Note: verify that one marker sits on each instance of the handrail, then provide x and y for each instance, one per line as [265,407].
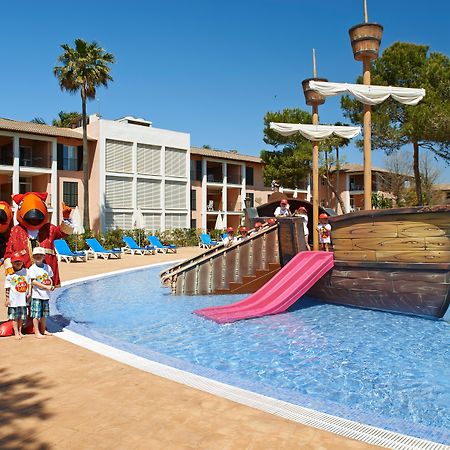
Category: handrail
[204,257]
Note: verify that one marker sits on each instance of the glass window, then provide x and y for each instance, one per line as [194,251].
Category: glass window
[249,174]
[193,223]
[70,157]
[193,199]
[70,193]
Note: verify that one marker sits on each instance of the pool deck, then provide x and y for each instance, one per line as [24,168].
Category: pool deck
[56,395]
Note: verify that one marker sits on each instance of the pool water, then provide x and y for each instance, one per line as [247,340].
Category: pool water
[382,369]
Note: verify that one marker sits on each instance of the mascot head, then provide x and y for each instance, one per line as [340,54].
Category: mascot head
[5,216]
[32,211]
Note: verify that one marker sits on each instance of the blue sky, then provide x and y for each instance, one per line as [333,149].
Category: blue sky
[211,68]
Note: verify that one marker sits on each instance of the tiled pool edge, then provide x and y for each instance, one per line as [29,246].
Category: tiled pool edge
[306,416]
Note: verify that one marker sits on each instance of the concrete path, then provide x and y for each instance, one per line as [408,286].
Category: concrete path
[55,395]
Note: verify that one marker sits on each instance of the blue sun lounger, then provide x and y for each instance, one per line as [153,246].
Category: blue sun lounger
[162,248]
[63,252]
[206,241]
[133,248]
[97,250]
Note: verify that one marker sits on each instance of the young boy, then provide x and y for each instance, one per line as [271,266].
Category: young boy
[40,275]
[324,229]
[17,286]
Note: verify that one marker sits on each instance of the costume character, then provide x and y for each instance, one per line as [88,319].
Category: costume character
[34,230]
[5,226]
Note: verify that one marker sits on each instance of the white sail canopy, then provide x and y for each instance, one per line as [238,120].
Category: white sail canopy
[369,94]
[315,132]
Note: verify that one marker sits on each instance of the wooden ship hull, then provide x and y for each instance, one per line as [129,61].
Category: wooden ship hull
[393,260]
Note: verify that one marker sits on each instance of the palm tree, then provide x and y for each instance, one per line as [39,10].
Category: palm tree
[84,68]
[65,119]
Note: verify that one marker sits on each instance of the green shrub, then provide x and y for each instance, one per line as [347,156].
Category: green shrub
[181,237]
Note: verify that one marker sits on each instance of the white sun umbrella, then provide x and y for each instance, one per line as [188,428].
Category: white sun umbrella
[219,222]
[77,224]
[138,222]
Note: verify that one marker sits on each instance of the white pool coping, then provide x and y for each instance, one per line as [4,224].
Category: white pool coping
[306,416]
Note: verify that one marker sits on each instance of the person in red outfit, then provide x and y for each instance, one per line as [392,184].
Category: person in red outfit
[34,230]
[5,226]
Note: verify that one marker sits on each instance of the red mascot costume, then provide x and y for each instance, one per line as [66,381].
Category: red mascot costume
[6,215]
[5,225]
[34,230]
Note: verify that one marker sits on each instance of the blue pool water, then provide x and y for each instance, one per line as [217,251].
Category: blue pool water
[383,369]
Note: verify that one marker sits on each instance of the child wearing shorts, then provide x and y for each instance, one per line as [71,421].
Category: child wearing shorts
[17,286]
[324,229]
[41,282]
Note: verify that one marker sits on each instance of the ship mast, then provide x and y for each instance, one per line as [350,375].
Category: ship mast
[314,99]
[365,39]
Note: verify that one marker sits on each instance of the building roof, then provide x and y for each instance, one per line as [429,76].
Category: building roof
[442,187]
[222,154]
[347,167]
[37,128]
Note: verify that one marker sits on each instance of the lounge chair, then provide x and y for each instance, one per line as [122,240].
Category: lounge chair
[133,248]
[161,248]
[97,250]
[63,252]
[206,241]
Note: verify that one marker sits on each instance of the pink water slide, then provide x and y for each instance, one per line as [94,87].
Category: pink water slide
[279,293]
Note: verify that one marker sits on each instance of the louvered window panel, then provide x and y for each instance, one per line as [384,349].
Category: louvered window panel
[149,194]
[176,221]
[152,222]
[175,195]
[119,156]
[175,162]
[148,159]
[118,192]
[114,220]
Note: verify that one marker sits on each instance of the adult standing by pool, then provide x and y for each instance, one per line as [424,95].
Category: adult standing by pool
[283,209]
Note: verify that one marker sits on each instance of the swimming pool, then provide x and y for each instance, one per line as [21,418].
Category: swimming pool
[382,369]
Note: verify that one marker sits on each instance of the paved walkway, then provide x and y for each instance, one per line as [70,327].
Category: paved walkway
[55,395]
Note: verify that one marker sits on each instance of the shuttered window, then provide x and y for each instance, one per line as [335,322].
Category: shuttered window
[175,195]
[115,220]
[176,221]
[175,165]
[149,194]
[148,159]
[119,156]
[118,192]
[152,222]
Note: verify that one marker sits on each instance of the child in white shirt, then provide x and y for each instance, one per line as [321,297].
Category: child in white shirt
[41,280]
[17,286]
[324,229]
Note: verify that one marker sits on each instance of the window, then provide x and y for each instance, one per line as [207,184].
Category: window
[25,185]
[175,162]
[119,156]
[249,174]
[193,199]
[251,200]
[148,194]
[196,170]
[152,222]
[118,192]
[149,159]
[194,223]
[70,157]
[175,196]
[176,221]
[70,193]
[115,220]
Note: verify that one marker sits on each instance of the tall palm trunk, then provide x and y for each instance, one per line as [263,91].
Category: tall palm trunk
[86,220]
[418,181]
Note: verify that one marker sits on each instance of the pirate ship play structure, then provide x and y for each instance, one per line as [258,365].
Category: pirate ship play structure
[394,260]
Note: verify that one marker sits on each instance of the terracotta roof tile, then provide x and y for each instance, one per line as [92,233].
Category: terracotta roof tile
[212,153]
[36,128]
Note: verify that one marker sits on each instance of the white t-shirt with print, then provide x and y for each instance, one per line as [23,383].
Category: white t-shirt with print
[43,275]
[324,233]
[18,283]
